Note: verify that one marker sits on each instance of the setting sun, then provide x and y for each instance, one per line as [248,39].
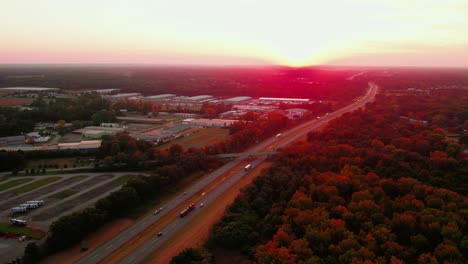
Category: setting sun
[231,32]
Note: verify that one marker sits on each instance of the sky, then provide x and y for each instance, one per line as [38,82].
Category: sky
[232,32]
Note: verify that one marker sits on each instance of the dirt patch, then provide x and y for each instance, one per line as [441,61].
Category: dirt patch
[92,241]
[197,232]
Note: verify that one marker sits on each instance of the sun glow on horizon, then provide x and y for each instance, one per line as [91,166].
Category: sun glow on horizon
[295,33]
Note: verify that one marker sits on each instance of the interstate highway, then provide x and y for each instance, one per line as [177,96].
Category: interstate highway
[124,248]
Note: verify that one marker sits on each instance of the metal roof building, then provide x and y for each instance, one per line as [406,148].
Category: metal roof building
[30,89]
[237,99]
[160,97]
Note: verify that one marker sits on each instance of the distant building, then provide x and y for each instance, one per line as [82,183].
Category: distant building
[237,100]
[203,122]
[283,100]
[200,98]
[102,91]
[160,97]
[125,96]
[254,108]
[98,131]
[82,145]
[29,89]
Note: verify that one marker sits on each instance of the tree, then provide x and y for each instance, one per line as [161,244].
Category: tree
[32,254]
[103,116]
[193,256]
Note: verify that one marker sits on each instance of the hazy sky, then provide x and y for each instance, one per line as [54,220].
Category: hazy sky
[291,32]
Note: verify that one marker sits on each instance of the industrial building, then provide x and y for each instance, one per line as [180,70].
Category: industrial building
[160,97]
[97,131]
[82,145]
[283,100]
[203,122]
[200,98]
[238,99]
[29,89]
[102,91]
[125,96]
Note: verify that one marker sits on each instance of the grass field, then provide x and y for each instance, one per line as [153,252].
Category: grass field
[22,231]
[13,183]
[63,194]
[200,138]
[36,184]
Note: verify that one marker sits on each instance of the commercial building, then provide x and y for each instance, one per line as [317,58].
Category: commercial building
[82,145]
[203,122]
[238,99]
[98,131]
[283,100]
[29,89]
[102,91]
[125,96]
[160,97]
[200,98]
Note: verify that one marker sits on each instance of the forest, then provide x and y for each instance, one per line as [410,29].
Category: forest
[380,185]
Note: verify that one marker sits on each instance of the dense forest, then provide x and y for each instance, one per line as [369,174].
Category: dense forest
[382,185]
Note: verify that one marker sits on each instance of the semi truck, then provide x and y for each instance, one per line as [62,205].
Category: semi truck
[246,168]
[187,210]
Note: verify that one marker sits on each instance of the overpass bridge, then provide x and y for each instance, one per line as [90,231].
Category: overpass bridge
[247,154]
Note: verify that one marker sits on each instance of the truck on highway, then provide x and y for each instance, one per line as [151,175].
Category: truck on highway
[248,167]
[187,210]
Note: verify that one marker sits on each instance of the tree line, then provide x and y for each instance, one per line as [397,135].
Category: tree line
[390,192]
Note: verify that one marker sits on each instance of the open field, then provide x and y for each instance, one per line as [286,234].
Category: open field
[14,183]
[200,138]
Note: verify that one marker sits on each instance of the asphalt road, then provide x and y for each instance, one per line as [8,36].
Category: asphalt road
[138,255]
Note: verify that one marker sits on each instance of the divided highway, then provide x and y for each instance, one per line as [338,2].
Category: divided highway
[134,244]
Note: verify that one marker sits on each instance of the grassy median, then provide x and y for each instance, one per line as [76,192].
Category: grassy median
[36,184]
[13,183]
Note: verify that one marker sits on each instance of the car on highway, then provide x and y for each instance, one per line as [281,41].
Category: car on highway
[160,234]
[157,211]
[202,204]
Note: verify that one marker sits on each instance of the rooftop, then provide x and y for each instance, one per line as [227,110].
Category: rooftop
[32,89]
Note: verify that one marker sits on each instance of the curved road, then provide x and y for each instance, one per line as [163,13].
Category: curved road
[113,251]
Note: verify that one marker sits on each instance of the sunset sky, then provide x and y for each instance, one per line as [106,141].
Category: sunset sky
[292,32]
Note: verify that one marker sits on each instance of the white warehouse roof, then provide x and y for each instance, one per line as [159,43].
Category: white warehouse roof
[284,99]
[238,99]
[160,96]
[30,89]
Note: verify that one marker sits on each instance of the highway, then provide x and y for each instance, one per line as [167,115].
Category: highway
[134,244]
